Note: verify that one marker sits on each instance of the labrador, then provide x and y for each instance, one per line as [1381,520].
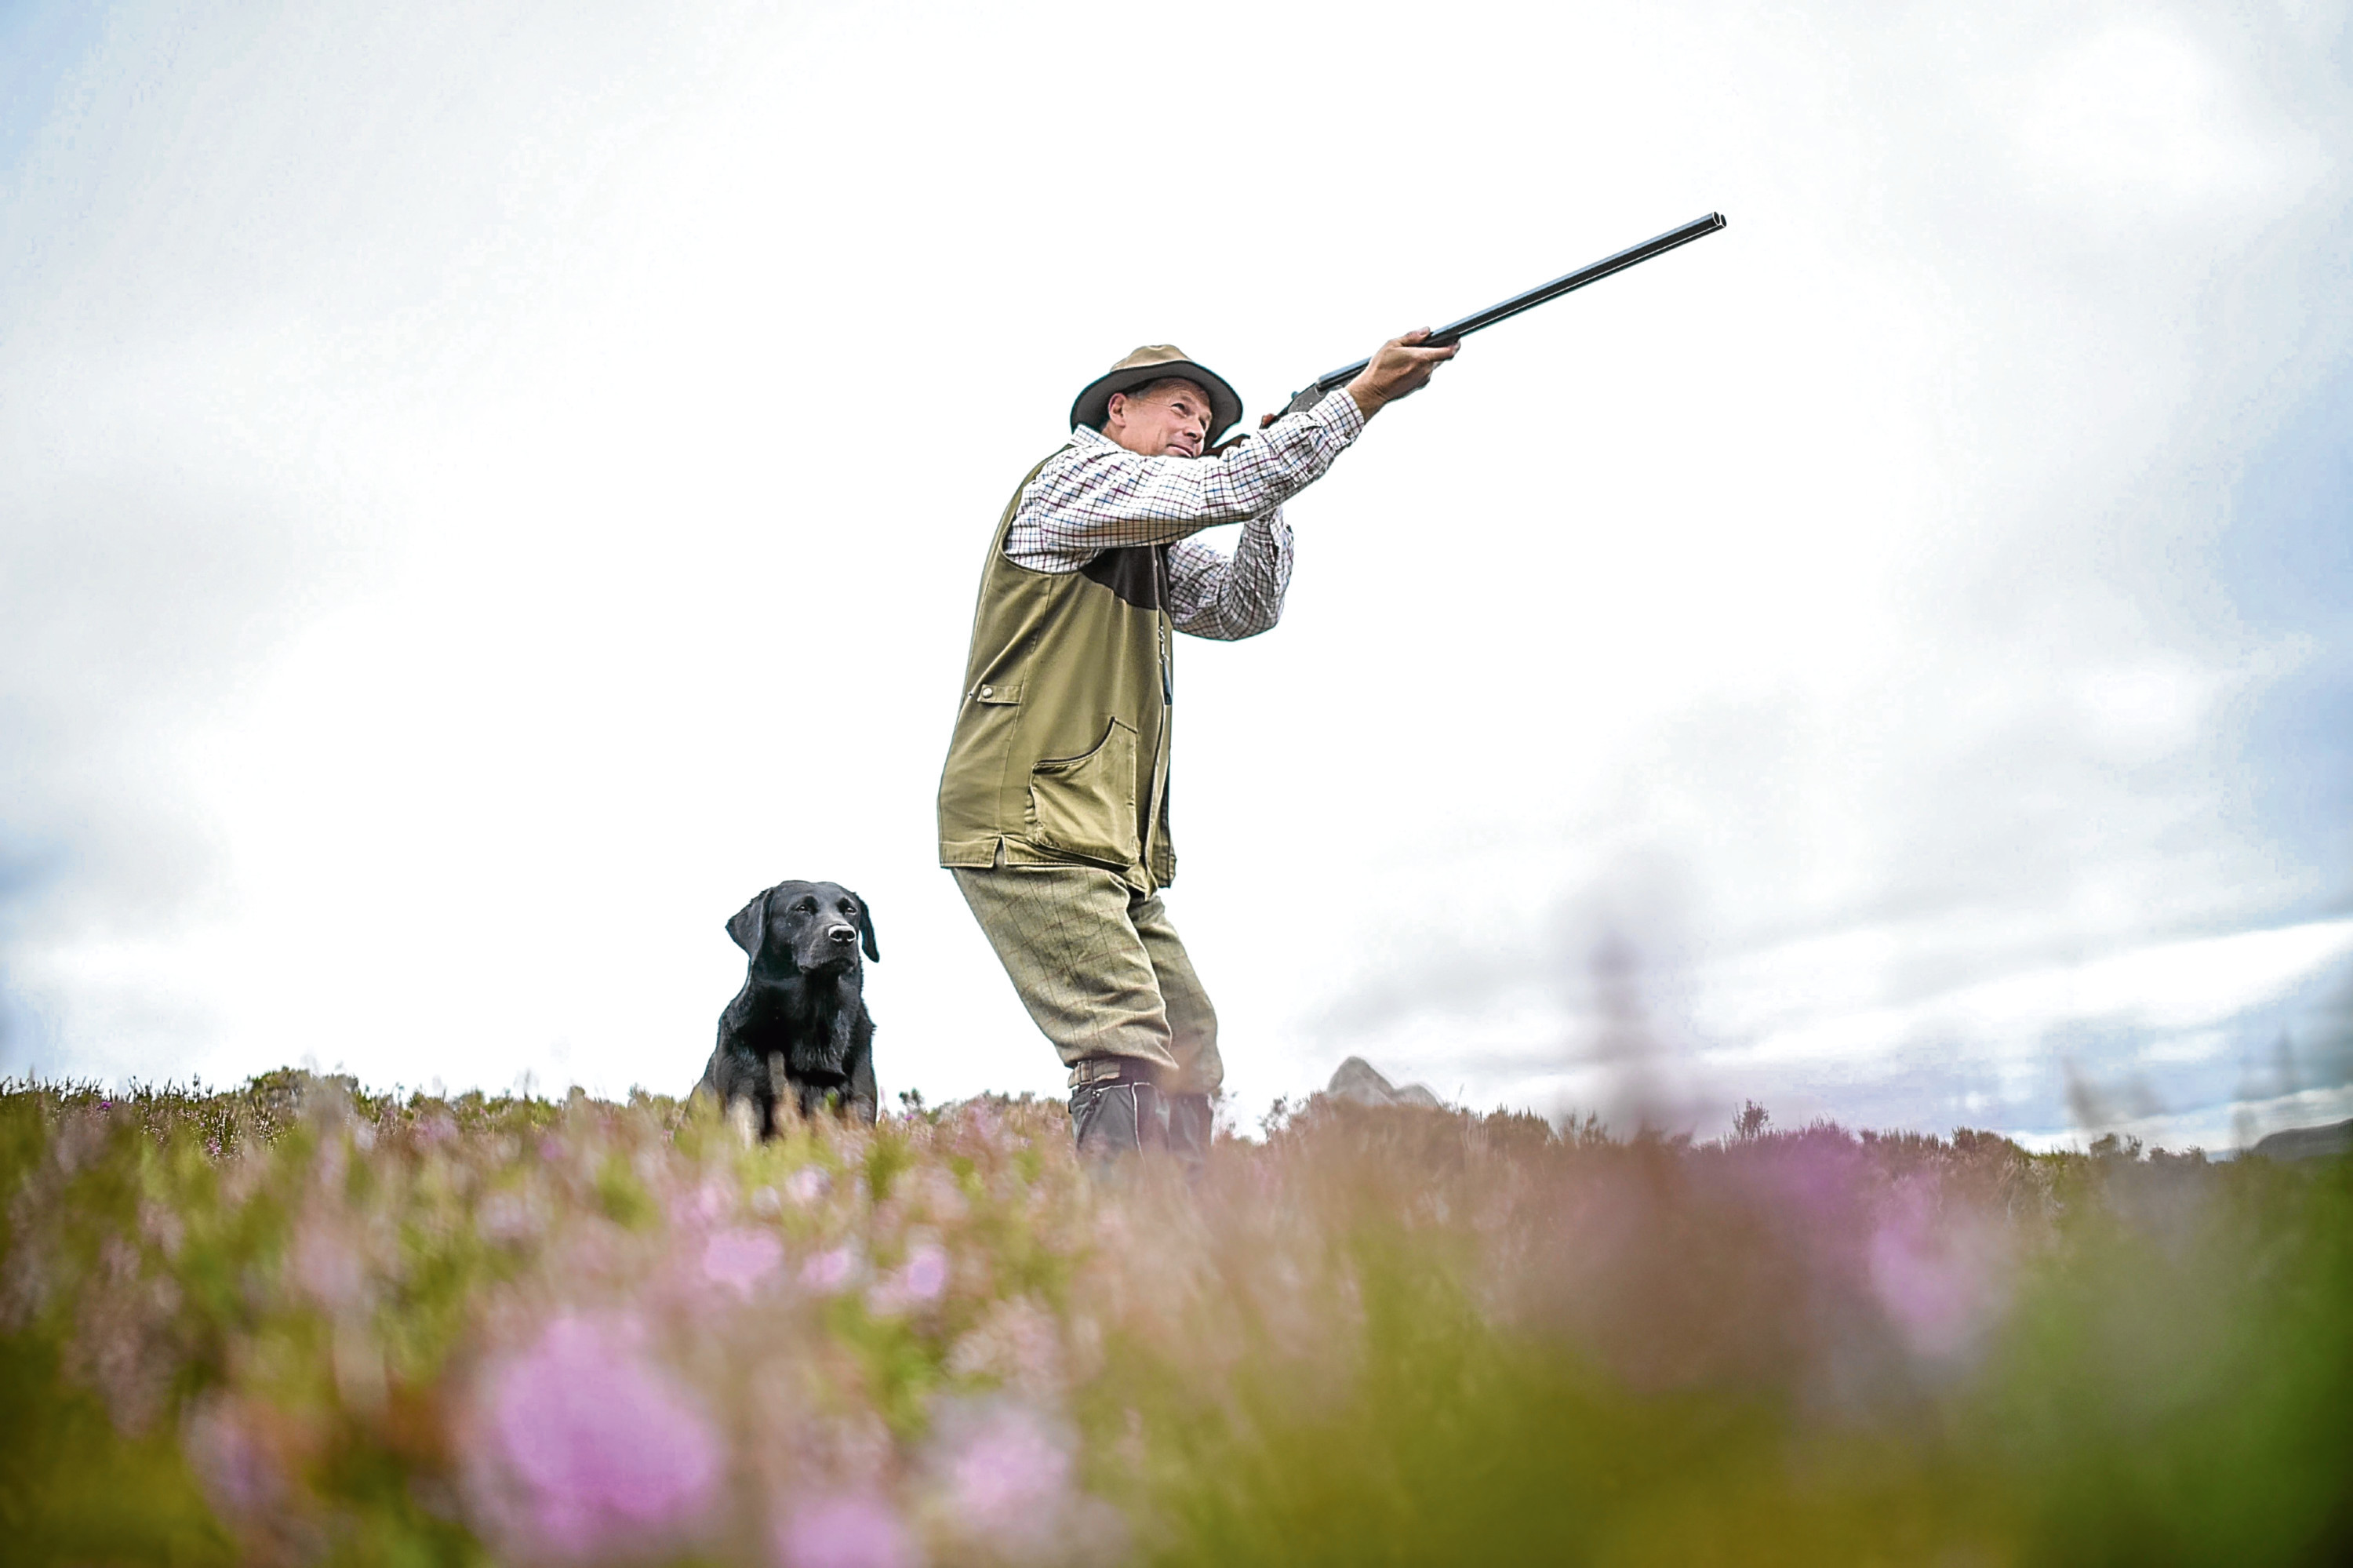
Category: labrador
[799,1032]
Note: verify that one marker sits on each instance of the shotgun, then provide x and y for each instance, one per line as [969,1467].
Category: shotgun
[1314,391]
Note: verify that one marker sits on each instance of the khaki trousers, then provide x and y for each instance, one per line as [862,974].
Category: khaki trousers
[1101,971]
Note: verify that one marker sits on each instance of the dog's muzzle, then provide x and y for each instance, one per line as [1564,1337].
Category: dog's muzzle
[843,935]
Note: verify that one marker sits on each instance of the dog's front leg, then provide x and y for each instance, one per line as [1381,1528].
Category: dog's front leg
[782,1092]
[864,1100]
[744,1116]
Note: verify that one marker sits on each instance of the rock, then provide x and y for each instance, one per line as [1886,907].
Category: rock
[1356,1080]
[2302,1142]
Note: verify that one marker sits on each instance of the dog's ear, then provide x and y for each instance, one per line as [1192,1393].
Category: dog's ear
[866,931]
[749,925]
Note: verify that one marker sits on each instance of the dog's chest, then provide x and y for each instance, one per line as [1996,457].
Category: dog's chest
[815,1032]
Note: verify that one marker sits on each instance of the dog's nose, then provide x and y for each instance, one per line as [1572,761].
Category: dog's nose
[843,933]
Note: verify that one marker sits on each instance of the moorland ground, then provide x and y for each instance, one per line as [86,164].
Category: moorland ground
[295,1322]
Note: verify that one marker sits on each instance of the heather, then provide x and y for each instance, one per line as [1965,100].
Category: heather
[298,1323]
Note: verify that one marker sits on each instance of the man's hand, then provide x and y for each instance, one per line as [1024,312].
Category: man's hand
[1401,366]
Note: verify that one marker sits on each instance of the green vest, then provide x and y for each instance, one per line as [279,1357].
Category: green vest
[1060,754]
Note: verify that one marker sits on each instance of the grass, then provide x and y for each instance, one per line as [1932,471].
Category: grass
[294,1322]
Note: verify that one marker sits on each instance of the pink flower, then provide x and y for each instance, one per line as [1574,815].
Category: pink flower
[741,1258]
[829,1271]
[699,1207]
[1940,1282]
[601,1443]
[509,1217]
[327,1268]
[238,1471]
[845,1533]
[1008,1476]
[807,1185]
[922,1280]
[1018,1345]
[926,1275]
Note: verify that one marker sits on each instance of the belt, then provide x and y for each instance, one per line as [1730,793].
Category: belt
[1111,1070]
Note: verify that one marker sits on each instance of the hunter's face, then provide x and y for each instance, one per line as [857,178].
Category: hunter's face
[1171,419]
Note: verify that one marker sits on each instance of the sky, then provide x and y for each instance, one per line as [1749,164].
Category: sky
[483,490]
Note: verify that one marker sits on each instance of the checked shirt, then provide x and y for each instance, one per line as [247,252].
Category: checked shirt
[1095,495]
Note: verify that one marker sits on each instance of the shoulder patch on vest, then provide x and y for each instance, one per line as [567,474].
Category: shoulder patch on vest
[1138,574]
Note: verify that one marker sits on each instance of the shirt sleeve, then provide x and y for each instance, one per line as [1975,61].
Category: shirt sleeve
[1212,594]
[1096,495]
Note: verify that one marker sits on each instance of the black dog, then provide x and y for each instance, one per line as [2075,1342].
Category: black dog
[798,1029]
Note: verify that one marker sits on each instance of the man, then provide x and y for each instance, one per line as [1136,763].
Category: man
[1054,802]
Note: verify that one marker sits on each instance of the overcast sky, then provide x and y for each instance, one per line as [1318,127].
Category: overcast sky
[483,489]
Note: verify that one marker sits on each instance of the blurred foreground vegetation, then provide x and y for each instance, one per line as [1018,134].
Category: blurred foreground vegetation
[295,1323]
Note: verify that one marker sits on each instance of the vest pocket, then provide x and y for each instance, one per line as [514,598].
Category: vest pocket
[1085,805]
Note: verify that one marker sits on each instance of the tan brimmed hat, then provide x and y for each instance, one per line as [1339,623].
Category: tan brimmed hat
[1156,361]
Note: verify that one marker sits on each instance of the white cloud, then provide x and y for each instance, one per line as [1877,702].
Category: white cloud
[2140,114]
[489,490]
[2169,989]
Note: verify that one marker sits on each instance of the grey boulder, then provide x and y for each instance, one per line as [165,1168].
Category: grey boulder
[1357,1081]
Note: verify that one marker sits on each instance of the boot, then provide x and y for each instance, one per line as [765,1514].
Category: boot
[1116,1117]
[1191,1121]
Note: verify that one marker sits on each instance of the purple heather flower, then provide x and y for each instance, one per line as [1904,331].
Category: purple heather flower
[923,1278]
[926,1274]
[829,1271]
[741,1258]
[602,1444]
[508,1217]
[807,1185]
[699,1207]
[1940,1283]
[327,1268]
[237,1471]
[1018,1345]
[857,1531]
[1008,1476]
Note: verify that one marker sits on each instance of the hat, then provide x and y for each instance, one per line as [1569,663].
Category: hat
[1157,362]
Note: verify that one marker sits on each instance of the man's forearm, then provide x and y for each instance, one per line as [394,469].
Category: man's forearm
[1225,600]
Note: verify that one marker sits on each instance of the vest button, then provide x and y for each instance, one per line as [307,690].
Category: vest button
[988,691]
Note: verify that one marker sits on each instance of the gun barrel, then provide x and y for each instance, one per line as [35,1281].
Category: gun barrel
[1455,332]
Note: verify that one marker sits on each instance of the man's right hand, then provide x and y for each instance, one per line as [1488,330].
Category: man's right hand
[1401,366]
